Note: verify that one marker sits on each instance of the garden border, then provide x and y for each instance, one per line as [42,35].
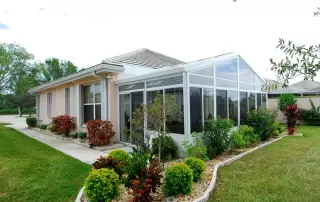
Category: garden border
[210,189]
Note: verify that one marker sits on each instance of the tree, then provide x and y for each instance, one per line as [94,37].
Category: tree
[13,61]
[53,69]
[300,60]
[21,85]
[162,110]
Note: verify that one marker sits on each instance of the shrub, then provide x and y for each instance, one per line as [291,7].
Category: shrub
[292,114]
[197,166]
[64,124]
[111,163]
[31,122]
[262,120]
[178,180]
[248,135]
[236,140]
[82,135]
[142,188]
[52,127]
[311,116]
[99,132]
[120,155]
[286,99]
[102,185]
[74,135]
[43,126]
[136,166]
[216,135]
[10,111]
[195,149]
[168,147]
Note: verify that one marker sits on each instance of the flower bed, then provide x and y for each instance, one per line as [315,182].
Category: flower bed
[199,188]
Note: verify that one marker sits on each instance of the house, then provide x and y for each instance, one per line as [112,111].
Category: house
[223,85]
[303,90]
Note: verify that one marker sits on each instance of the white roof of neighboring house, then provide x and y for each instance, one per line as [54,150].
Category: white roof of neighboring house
[304,86]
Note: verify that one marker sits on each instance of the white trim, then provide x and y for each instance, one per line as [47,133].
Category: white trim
[188,104]
[238,69]
[185,103]
[211,77]
[165,87]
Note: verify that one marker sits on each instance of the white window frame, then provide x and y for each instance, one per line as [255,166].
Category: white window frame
[94,99]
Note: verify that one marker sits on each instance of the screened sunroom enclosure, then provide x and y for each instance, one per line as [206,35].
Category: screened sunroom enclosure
[216,87]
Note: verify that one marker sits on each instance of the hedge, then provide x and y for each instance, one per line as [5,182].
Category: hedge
[16,111]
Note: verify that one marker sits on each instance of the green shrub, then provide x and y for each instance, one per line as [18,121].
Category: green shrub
[216,135]
[311,116]
[82,135]
[136,166]
[43,126]
[196,148]
[262,121]
[236,140]
[178,179]
[197,166]
[168,149]
[31,121]
[248,135]
[275,133]
[9,111]
[286,99]
[111,163]
[102,185]
[120,155]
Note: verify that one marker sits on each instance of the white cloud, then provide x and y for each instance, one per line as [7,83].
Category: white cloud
[87,32]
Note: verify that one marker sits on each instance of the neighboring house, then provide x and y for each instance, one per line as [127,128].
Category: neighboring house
[304,90]
[223,85]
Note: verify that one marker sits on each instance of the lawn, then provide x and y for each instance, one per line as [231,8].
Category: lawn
[32,171]
[288,170]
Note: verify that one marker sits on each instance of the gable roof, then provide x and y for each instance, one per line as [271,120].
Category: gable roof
[304,86]
[144,57]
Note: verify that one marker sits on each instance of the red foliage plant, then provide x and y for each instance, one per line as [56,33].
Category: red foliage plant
[64,124]
[292,114]
[99,132]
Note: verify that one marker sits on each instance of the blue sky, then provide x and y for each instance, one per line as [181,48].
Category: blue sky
[86,32]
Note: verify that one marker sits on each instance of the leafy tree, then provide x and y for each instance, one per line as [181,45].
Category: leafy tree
[13,61]
[300,60]
[162,110]
[53,69]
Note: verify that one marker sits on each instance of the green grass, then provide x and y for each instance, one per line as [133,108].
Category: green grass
[5,123]
[287,170]
[32,171]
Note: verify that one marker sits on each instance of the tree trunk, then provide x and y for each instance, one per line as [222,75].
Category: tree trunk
[20,111]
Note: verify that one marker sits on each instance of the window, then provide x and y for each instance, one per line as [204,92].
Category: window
[92,102]
[49,104]
[124,116]
[133,86]
[165,82]
[227,69]
[245,86]
[252,101]
[258,100]
[208,71]
[136,101]
[222,104]
[176,125]
[208,103]
[196,109]
[67,101]
[233,105]
[151,95]
[195,79]
[243,107]
[264,100]
[245,73]
[226,83]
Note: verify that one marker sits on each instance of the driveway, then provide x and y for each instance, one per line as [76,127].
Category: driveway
[17,122]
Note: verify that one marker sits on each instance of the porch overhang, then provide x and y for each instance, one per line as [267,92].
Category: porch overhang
[101,69]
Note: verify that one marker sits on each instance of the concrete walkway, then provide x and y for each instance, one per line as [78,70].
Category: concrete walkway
[82,153]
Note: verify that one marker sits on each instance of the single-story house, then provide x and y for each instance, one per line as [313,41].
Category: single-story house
[304,91]
[223,85]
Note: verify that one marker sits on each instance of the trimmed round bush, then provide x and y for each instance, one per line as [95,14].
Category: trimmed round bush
[197,166]
[168,150]
[102,185]
[120,155]
[178,180]
[31,122]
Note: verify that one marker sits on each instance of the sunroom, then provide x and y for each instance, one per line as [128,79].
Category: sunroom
[221,86]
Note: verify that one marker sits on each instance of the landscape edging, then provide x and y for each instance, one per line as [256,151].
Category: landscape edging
[209,190]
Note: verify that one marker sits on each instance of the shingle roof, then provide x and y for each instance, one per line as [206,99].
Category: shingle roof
[144,57]
[304,86]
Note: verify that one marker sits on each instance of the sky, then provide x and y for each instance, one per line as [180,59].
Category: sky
[87,32]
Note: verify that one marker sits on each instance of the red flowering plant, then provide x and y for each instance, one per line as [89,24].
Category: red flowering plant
[292,114]
[99,132]
[64,124]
